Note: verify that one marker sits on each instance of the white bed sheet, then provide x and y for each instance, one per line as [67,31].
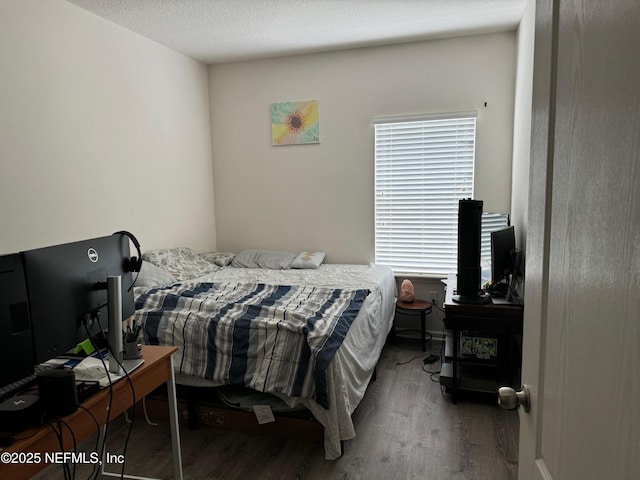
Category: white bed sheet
[354,363]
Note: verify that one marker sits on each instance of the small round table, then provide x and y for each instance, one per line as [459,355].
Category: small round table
[411,308]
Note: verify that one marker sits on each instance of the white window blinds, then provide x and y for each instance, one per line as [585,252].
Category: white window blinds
[423,167]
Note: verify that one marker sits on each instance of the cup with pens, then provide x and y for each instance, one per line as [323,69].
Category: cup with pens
[132,349]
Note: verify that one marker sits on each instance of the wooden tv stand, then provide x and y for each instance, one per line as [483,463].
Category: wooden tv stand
[482,346]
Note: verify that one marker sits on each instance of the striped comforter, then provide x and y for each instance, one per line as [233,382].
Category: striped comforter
[272,338]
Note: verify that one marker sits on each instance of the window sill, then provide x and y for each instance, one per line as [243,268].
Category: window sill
[421,276]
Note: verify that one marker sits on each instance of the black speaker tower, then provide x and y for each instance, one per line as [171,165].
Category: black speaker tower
[469,240]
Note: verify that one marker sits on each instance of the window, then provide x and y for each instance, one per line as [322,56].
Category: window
[423,167]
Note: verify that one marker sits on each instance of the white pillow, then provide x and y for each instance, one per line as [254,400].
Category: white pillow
[153,276]
[182,262]
[308,260]
[222,259]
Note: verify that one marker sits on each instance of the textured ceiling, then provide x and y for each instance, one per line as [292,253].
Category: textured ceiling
[215,31]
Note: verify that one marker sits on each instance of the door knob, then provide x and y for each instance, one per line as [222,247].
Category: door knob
[509,399]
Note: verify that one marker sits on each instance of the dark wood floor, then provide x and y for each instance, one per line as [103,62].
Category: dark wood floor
[406,429]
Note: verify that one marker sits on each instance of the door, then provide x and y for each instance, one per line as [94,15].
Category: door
[581,356]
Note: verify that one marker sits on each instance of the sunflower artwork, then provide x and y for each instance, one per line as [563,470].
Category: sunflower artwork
[295,123]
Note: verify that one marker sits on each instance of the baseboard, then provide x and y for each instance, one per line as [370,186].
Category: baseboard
[436,335]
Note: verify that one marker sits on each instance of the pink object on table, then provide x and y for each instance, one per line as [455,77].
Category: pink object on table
[407,292]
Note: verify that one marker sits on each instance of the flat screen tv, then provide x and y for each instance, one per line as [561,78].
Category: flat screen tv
[67,289]
[503,246]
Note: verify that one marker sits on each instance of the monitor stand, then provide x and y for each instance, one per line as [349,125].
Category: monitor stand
[130,365]
[114,310]
[114,327]
[476,300]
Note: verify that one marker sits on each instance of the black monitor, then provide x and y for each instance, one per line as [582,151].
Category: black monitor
[503,246]
[16,350]
[67,288]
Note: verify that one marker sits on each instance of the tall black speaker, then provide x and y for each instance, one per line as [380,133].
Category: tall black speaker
[469,241]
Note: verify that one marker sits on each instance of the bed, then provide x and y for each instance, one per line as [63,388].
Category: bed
[310,335]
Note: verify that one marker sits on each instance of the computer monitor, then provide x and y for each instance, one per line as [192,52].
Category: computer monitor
[16,349]
[67,289]
[503,246]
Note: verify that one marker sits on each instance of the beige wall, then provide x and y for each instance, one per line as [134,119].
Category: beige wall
[321,196]
[522,123]
[101,130]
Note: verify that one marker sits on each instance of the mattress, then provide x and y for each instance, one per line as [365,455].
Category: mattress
[353,364]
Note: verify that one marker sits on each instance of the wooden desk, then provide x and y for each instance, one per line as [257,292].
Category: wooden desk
[156,370]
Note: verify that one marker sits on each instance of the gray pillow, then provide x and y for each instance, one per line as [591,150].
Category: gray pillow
[271,259]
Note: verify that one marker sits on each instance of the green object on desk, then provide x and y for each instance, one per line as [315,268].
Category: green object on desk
[85,346]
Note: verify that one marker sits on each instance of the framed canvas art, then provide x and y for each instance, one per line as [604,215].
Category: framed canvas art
[295,123]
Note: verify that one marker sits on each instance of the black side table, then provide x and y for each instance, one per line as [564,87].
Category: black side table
[420,307]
